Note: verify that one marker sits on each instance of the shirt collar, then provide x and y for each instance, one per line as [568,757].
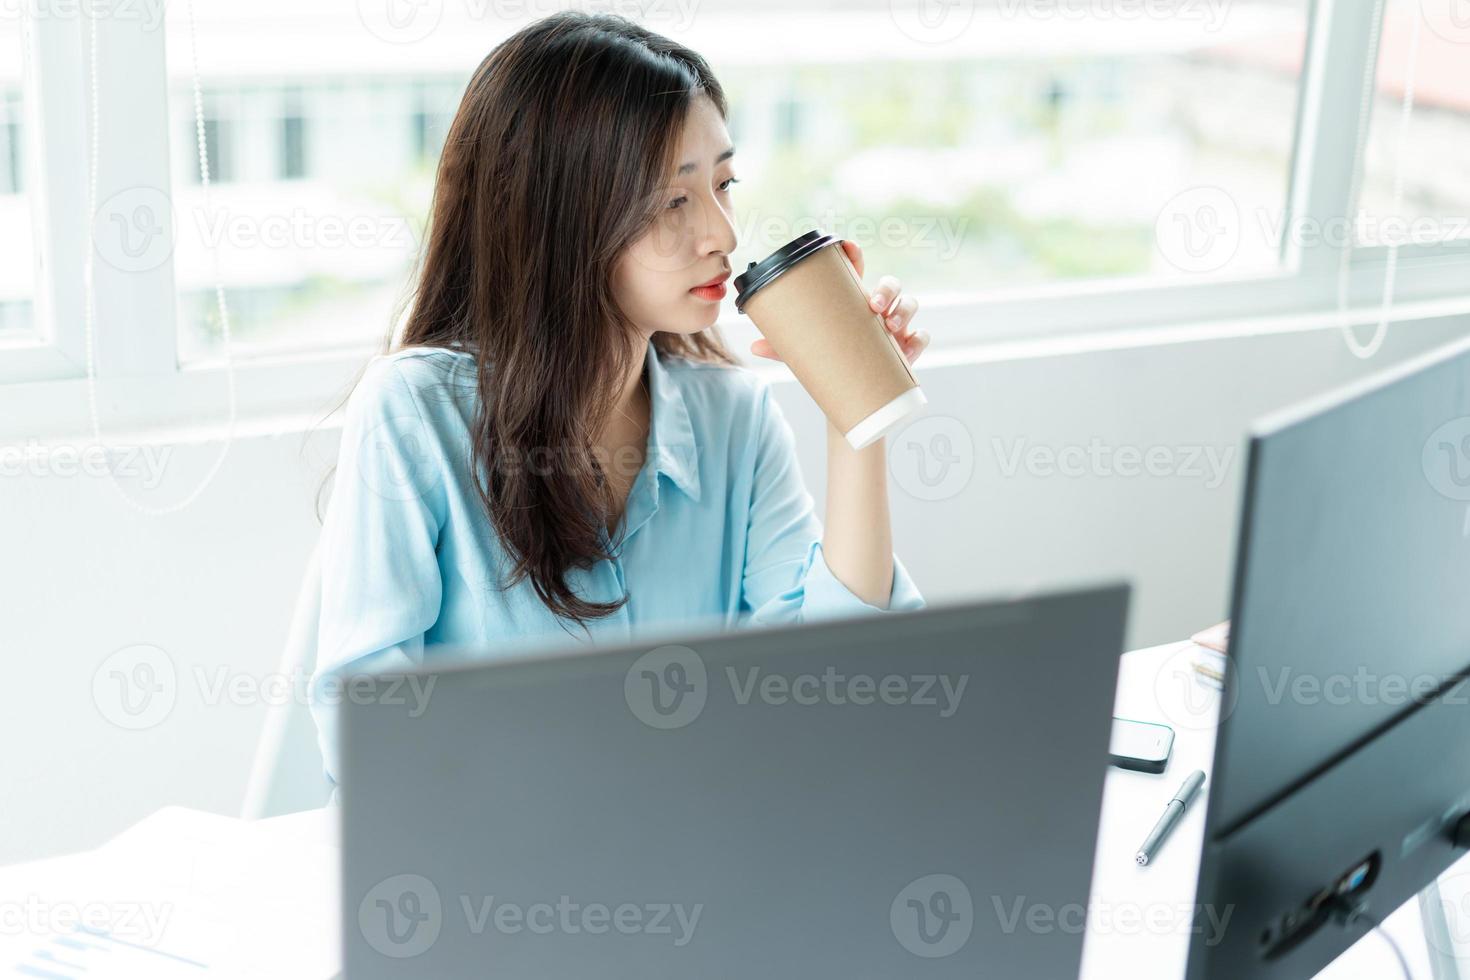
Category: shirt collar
[671,444]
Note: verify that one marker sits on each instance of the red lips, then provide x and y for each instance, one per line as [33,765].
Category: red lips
[717,280]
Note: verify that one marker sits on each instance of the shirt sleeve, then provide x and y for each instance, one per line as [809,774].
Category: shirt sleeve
[786,578]
[380,588]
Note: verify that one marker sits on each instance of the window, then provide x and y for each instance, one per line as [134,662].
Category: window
[1044,143]
[12,180]
[1053,148]
[1434,165]
[293,137]
[17,259]
[1029,167]
[787,113]
[322,158]
[219,138]
[436,103]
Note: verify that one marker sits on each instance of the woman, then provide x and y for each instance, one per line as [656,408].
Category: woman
[560,440]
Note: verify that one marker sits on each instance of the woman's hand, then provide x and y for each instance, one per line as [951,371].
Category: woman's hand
[887,298]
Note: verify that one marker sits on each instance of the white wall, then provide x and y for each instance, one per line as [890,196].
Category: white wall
[213,586]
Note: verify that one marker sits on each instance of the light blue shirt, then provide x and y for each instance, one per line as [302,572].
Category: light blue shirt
[719,530]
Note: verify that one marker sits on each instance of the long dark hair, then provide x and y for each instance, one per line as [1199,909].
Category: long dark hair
[551,168]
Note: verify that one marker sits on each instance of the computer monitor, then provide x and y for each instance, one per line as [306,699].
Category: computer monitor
[882,796]
[1342,765]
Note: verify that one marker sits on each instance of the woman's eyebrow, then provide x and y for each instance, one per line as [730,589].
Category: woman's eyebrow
[688,168]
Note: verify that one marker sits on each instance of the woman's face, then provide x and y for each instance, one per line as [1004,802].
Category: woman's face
[690,242]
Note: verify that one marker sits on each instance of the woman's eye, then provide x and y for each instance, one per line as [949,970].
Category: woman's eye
[724,186]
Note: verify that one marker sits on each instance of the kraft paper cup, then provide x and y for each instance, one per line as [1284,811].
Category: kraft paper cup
[809,302]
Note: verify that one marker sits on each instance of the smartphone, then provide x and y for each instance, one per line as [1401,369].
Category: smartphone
[1143,746]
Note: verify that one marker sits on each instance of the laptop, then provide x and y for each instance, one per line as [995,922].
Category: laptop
[907,794]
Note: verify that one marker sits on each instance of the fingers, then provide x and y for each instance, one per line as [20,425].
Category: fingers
[900,320]
[763,348]
[915,345]
[882,297]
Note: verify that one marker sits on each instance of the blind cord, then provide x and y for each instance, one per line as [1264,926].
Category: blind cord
[1406,113]
[89,264]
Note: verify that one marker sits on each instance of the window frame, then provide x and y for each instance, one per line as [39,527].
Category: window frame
[42,377]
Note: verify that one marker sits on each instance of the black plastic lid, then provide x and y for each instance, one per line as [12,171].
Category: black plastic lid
[757,274]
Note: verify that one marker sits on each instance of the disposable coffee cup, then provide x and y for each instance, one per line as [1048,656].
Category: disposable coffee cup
[808,300]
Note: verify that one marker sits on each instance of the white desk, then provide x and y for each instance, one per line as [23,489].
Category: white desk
[229,882]
[1140,918]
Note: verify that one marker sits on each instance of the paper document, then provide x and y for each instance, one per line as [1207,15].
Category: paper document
[181,894]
